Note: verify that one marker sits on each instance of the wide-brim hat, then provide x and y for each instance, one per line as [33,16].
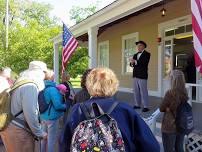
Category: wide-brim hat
[38,65]
[35,72]
[141,42]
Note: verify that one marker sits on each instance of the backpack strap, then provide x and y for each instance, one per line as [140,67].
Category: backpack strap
[20,83]
[96,110]
[112,107]
[17,114]
[15,86]
[85,111]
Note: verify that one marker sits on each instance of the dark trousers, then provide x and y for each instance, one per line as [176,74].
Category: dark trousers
[173,142]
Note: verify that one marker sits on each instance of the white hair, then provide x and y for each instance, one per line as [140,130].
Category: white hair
[6,72]
[37,76]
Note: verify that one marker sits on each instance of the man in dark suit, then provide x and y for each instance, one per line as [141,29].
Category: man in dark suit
[140,62]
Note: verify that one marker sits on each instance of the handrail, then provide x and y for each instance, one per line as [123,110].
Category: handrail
[193,85]
[151,121]
[189,87]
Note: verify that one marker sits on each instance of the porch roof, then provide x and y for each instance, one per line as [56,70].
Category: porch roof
[109,14]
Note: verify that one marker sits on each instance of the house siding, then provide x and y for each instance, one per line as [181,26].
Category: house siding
[146,24]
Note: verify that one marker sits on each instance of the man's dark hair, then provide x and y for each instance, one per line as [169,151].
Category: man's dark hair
[83,78]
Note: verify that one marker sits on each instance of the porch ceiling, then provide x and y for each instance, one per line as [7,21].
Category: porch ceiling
[112,14]
[84,37]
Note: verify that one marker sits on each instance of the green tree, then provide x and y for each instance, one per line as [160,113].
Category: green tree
[78,13]
[79,60]
[30,31]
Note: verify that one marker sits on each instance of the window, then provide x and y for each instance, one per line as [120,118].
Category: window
[103,54]
[167,57]
[189,28]
[128,50]
[169,32]
[178,30]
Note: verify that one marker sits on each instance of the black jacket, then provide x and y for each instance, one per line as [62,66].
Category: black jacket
[140,70]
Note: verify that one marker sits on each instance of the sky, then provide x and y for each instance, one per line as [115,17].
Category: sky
[61,8]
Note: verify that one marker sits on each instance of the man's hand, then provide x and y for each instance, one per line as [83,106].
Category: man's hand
[132,61]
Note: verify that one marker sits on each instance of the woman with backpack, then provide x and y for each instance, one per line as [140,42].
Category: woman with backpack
[102,123]
[50,118]
[176,96]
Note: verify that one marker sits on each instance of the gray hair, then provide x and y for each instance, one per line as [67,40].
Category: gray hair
[66,74]
[177,80]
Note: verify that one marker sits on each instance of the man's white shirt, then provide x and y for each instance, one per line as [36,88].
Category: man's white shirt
[138,56]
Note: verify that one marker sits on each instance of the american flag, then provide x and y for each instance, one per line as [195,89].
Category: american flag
[196,9]
[69,45]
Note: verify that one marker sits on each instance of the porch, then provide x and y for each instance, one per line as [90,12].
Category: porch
[110,34]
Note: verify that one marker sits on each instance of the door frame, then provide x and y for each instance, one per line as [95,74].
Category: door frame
[177,22]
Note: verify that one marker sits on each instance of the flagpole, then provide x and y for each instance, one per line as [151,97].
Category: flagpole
[7,22]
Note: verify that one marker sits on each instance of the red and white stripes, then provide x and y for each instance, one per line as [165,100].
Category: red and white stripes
[196,8]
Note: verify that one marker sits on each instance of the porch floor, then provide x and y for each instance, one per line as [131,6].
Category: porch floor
[154,104]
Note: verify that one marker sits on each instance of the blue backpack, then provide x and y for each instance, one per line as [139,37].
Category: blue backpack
[184,119]
[43,105]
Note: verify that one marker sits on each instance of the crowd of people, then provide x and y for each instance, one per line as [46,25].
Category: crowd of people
[91,119]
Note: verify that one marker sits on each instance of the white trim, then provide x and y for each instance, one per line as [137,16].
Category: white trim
[160,69]
[161,27]
[123,38]
[100,44]
[56,62]
[92,46]
[130,90]
[113,12]
[175,23]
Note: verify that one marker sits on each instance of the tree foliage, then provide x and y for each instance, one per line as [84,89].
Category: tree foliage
[78,13]
[30,31]
[78,62]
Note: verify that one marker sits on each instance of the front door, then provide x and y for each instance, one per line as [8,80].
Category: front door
[179,55]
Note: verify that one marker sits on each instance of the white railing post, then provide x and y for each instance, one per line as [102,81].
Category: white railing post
[151,121]
[189,91]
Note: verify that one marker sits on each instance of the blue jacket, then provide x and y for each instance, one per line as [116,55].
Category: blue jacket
[52,94]
[140,139]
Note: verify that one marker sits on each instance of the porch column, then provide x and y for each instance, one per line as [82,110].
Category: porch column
[92,46]
[56,62]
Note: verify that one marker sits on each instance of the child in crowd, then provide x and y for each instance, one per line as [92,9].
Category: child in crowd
[63,90]
[177,95]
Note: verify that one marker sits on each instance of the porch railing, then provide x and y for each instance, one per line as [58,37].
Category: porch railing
[151,121]
[198,92]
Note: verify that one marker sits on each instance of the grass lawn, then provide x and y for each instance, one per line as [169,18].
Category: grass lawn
[76,82]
